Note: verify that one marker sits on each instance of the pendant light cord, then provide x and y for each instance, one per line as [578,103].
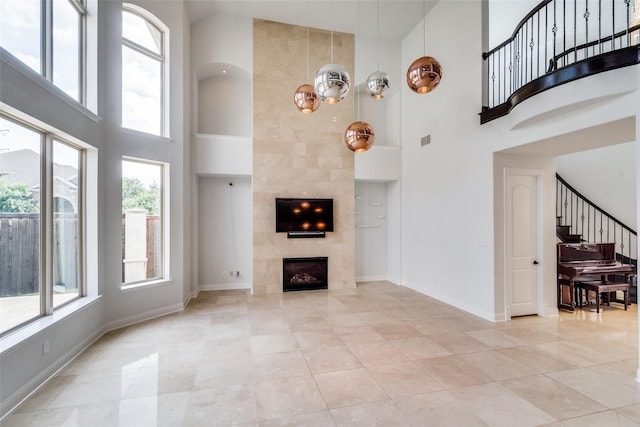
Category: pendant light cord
[378,32]
[332,33]
[424,28]
[307,76]
[356,59]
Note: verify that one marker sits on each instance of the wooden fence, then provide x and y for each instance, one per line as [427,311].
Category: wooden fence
[20,252]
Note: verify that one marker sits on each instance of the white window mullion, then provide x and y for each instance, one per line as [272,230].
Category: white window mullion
[46,209]
[82,51]
[47,40]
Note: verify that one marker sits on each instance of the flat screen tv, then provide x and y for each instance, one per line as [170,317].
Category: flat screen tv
[311,216]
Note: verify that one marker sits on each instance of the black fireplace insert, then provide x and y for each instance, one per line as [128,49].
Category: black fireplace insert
[300,274]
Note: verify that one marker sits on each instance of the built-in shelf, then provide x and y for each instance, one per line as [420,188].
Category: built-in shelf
[375,203]
[367,226]
[358,213]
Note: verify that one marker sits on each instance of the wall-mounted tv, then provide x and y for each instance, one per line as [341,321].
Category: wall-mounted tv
[304,217]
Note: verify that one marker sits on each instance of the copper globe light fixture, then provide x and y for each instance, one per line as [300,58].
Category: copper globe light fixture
[378,81]
[425,73]
[305,97]
[359,136]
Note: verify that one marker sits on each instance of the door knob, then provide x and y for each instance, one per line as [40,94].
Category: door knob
[535,262]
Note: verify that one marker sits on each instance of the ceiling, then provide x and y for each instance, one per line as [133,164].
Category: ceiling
[397,17]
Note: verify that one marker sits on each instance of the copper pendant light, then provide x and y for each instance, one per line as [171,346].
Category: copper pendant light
[305,97]
[359,137]
[425,73]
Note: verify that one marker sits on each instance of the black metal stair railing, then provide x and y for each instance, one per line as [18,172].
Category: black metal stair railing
[557,42]
[593,224]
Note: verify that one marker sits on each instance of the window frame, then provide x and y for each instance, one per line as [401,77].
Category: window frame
[46,214]
[162,59]
[164,224]
[47,53]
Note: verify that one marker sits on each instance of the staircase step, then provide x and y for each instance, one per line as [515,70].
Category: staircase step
[570,238]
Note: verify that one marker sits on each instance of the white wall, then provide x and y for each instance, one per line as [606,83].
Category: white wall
[614,187]
[210,52]
[225,232]
[447,212]
[382,114]
[505,16]
[223,105]
[23,366]
[125,306]
[452,190]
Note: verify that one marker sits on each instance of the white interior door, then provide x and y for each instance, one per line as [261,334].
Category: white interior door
[522,242]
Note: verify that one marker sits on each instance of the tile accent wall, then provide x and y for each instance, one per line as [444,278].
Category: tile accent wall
[299,155]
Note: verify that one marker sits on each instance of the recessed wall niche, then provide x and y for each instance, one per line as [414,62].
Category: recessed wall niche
[224,100]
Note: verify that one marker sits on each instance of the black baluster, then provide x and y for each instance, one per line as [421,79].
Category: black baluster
[575,31]
[546,28]
[599,26]
[628,23]
[613,25]
[586,26]
[564,32]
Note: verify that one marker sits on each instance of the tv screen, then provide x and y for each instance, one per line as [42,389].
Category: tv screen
[300,215]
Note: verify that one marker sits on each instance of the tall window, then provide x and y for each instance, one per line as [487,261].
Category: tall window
[142,221]
[48,36]
[40,223]
[143,72]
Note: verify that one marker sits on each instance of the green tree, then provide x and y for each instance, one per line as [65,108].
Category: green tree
[16,198]
[135,195]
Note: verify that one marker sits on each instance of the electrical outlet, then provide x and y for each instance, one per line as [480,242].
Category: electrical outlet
[45,347]
[231,274]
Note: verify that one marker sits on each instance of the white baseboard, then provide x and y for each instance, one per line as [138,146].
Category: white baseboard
[371,278]
[455,303]
[141,317]
[27,390]
[225,286]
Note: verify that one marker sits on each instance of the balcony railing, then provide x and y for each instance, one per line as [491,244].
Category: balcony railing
[557,42]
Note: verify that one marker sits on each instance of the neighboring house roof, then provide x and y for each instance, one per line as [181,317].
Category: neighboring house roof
[23,166]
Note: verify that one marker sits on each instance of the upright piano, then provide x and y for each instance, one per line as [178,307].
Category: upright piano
[579,262]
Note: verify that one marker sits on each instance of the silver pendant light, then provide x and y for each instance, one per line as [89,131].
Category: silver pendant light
[332,81]
[378,81]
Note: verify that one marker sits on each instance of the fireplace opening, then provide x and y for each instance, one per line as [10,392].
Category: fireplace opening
[301,274]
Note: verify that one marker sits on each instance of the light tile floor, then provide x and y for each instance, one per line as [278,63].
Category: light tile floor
[377,355]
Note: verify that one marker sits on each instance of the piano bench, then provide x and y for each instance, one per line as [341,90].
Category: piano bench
[602,286]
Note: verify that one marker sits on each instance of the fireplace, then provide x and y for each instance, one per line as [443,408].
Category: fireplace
[300,274]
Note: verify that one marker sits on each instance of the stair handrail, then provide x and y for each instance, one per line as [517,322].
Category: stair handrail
[583,197]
